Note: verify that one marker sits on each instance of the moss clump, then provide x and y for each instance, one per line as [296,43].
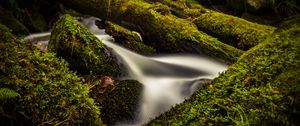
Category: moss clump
[83,51]
[129,39]
[119,103]
[261,88]
[50,94]
[7,18]
[232,30]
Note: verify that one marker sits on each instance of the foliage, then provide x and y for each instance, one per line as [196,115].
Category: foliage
[50,93]
[83,51]
[118,103]
[261,88]
[6,94]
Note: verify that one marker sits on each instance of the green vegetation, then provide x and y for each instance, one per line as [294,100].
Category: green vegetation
[261,88]
[231,30]
[49,93]
[83,51]
[129,39]
[6,95]
[163,31]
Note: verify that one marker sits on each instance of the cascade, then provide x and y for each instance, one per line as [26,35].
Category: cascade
[168,80]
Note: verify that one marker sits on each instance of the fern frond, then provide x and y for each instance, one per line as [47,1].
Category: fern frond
[6,94]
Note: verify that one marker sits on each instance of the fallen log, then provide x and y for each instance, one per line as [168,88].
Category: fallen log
[232,30]
[166,32]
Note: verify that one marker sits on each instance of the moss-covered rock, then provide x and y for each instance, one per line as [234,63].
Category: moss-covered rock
[84,52]
[50,94]
[129,39]
[163,31]
[119,103]
[261,88]
[232,30]
[7,18]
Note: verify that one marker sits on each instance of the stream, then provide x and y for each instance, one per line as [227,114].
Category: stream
[168,80]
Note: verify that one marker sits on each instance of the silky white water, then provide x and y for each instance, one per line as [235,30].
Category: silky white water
[168,80]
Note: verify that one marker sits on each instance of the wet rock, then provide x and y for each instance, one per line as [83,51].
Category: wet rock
[118,103]
[128,39]
[84,52]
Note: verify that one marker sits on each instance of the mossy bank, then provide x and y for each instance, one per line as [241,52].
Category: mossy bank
[261,88]
[50,94]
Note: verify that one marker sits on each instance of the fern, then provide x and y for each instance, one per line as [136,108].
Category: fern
[6,94]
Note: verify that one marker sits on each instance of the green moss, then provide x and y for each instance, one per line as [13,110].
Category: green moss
[181,8]
[129,39]
[7,18]
[165,32]
[50,94]
[171,34]
[261,88]
[83,51]
[232,30]
[229,29]
[119,103]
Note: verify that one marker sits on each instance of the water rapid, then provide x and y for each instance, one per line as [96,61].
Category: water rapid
[167,80]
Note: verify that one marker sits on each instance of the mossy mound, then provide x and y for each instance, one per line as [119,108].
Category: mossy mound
[232,30]
[261,88]
[50,94]
[129,39]
[84,52]
[119,103]
[7,18]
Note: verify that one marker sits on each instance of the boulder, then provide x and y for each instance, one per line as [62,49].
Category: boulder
[84,52]
[119,103]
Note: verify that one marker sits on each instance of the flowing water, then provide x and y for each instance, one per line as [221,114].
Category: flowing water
[167,80]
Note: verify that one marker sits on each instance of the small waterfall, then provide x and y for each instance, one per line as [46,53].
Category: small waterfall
[167,80]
